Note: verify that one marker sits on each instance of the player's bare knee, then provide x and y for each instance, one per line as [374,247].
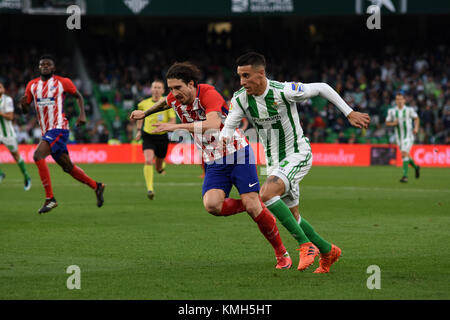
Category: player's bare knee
[253,209]
[266,194]
[213,209]
[252,205]
[37,156]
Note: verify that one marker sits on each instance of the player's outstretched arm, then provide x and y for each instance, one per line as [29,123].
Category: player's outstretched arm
[356,119]
[157,107]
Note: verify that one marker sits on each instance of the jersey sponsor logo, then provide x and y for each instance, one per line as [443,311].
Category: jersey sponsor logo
[268,120]
[45,102]
[252,185]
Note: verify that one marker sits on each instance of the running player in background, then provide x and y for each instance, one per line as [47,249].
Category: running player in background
[202,111]
[47,92]
[401,117]
[271,107]
[154,145]
[8,136]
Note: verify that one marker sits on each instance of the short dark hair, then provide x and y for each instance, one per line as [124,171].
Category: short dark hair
[185,71]
[48,57]
[251,58]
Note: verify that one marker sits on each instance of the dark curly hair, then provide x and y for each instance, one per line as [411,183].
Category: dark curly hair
[185,71]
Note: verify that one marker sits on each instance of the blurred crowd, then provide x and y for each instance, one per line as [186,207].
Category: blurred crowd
[367,82]
[122,77]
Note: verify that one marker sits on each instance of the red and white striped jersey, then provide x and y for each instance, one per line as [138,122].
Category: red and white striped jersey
[208,100]
[48,97]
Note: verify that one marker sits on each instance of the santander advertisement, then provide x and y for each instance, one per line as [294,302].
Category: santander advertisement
[181,153]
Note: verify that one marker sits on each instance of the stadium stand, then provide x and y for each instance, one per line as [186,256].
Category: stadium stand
[122,68]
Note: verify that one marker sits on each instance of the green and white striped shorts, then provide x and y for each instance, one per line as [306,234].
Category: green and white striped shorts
[10,143]
[292,170]
[406,144]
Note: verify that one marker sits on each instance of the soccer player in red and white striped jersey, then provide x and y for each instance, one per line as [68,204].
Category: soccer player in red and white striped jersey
[202,111]
[48,92]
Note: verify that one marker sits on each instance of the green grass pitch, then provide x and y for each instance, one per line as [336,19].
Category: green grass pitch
[171,248]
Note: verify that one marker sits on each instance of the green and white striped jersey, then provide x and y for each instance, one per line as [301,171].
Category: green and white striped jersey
[404,116]
[275,117]
[6,126]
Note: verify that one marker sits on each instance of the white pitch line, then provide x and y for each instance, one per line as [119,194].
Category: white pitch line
[16,183]
[337,188]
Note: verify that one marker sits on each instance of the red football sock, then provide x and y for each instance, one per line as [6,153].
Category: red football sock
[268,227]
[232,206]
[81,176]
[44,174]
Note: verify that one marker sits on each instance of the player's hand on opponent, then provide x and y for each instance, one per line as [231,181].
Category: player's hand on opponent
[137,115]
[226,135]
[160,127]
[358,119]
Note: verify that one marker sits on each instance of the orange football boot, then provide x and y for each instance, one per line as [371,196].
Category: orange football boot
[327,259]
[308,252]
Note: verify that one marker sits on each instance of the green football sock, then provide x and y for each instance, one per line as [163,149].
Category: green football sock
[22,167]
[405,168]
[323,245]
[411,162]
[282,212]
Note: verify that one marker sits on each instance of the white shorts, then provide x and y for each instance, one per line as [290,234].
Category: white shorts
[10,143]
[292,170]
[406,145]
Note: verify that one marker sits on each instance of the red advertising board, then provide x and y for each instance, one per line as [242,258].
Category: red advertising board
[323,154]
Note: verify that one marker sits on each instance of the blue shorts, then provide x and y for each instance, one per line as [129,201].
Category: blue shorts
[57,139]
[237,169]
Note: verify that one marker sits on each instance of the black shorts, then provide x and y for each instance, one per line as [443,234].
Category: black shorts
[156,142]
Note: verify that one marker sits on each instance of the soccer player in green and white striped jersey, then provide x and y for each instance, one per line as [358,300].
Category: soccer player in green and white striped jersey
[401,117]
[271,107]
[8,136]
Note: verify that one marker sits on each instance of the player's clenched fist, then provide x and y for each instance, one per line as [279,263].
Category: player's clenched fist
[137,115]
